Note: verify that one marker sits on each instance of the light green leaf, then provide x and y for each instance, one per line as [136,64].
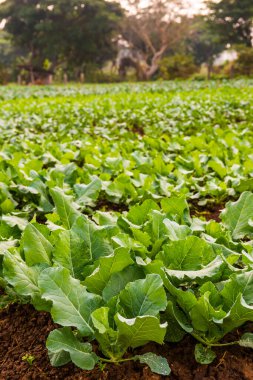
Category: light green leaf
[65,207]
[138,331]
[177,208]
[12,221]
[37,248]
[176,232]
[204,355]
[157,364]
[246,340]
[143,297]
[88,193]
[138,214]
[96,244]
[64,341]
[72,304]
[119,280]
[236,216]
[23,278]
[70,252]
[109,265]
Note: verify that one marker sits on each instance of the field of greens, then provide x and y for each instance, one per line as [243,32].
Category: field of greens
[108,199]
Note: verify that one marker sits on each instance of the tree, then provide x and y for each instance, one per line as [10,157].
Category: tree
[152,31]
[204,43]
[73,32]
[232,20]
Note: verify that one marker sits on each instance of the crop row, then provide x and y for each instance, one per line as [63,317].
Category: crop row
[96,228]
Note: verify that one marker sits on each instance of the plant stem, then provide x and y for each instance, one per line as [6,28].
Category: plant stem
[115,361]
[213,344]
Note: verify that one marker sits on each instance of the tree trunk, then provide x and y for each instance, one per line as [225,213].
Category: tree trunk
[209,70]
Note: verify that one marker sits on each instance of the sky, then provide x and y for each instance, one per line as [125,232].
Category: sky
[194,5]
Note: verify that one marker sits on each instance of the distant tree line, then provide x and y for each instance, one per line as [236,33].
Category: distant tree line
[79,39]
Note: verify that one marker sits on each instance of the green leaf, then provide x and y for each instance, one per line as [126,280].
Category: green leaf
[176,232]
[205,317]
[239,313]
[177,208]
[96,244]
[157,364]
[106,336]
[88,193]
[238,284]
[118,281]
[72,304]
[138,214]
[37,248]
[6,244]
[204,355]
[191,259]
[65,207]
[70,252]
[178,325]
[143,297]
[23,278]
[12,221]
[246,340]
[65,345]
[138,331]
[109,265]
[236,216]
[190,254]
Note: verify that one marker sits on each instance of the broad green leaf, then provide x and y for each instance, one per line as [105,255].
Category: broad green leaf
[88,193]
[138,331]
[246,340]
[106,336]
[204,355]
[157,364]
[178,325]
[138,214]
[13,220]
[37,248]
[23,278]
[72,304]
[6,244]
[212,271]
[65,207]
[96,244]
[238,284]
[70,252]
[190,254]
[119,280]
[176,232]
[176,207]
[64,341]
[204,316]
[240,313]
[143,297]
[236,216]
[109,265]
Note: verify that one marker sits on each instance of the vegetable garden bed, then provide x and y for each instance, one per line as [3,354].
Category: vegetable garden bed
[113,250]
[24,332]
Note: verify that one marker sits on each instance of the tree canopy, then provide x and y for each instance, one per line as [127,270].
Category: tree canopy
[70,31]
[232,20]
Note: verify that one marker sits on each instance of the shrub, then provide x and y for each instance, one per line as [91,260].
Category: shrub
[177,66]
[244,63]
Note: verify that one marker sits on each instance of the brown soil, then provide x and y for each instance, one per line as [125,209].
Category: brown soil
[210,212]
[24,331]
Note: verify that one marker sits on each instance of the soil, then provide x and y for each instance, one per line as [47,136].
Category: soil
[24,331]
[210,212]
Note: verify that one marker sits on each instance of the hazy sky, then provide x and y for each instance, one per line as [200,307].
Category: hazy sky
[194,5]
